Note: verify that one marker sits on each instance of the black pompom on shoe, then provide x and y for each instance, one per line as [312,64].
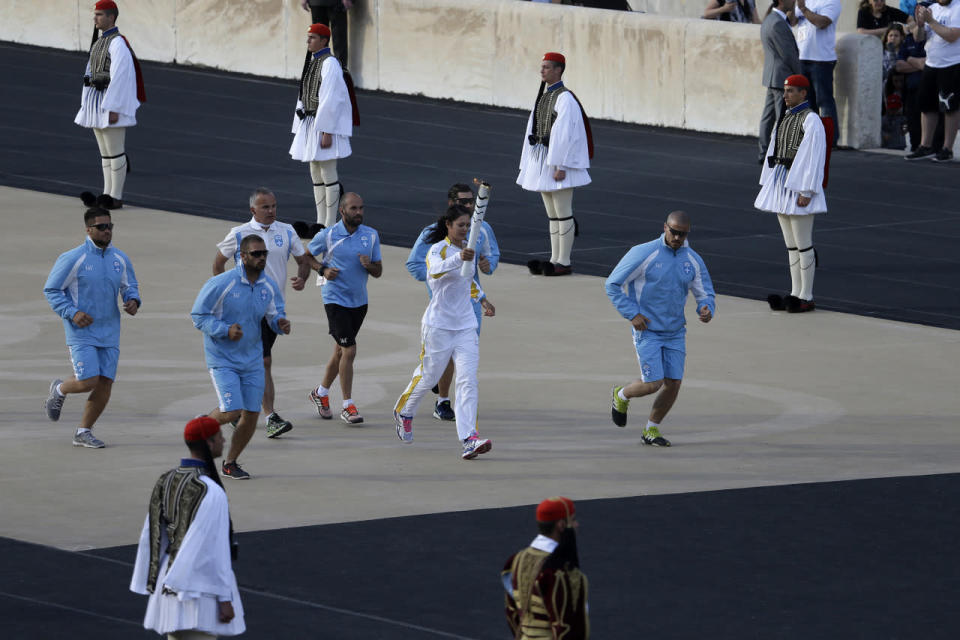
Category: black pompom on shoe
[797,305]
[88,199]
[300,227]
[536,267]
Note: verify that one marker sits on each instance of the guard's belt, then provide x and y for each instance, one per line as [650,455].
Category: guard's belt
[773,161]
[534,140]
[98,83]
[303,113]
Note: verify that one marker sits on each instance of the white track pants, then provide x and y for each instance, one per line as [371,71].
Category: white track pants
[439,345]
[326,190]
[559,206]
[113,159]
[798,236]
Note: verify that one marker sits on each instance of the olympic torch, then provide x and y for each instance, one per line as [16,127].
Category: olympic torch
[479,211]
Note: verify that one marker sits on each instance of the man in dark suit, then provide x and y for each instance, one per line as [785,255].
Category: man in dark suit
[781,58]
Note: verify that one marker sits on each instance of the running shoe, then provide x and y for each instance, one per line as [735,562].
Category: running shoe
[652,437]
[944,155]
[404,427]
[322,403]
[921,153]
[277,426]
[233,470]
[443,411]
[88,440]
[350,415]
[619,410]
[474,446]
[54,402]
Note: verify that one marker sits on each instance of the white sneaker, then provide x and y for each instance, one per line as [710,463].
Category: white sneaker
[474,446]
[404,427]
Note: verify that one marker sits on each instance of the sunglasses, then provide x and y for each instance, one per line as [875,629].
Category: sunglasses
[677,233]
[260,253]
[103,226]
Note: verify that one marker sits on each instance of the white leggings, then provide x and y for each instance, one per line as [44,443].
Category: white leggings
[559,206]
[113,159]
[326,190]
[798,236]
[438,347]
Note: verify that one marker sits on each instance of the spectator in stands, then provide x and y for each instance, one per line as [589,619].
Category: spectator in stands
[893,37]
[817,40]
[939,26]
[909,7]
[780,60]
[893,121]
[910,61]
[875,16]
[732,11]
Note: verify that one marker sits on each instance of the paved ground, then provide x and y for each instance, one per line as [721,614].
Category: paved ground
[770,400]
[204,139]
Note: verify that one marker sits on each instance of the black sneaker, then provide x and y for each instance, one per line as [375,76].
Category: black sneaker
[277,426]
[443,411]
[944,155]
[233,470]
[920,153]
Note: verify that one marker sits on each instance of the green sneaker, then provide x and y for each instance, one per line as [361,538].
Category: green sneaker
[652,437]
[619,410]
[277,426]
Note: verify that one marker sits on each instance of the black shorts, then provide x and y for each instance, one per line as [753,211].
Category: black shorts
[267,337]
[940,89]
[345,323]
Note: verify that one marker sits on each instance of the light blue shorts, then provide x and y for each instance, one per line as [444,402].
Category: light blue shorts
[661,355]
[238,389]
[90,362]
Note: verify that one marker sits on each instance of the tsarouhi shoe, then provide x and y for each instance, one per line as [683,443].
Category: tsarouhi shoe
[88,199]
[798,305]
[536,267]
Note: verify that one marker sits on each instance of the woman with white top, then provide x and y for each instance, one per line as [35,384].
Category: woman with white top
[449,329]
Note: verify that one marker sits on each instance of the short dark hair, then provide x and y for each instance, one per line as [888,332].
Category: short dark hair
[562,65]
[457,189]
[546,528]
[93,213]
[248,240]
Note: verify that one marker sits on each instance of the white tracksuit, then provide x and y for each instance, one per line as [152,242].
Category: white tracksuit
[448,328]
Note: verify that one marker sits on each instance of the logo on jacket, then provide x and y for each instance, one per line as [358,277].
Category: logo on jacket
[278,240]
[264,294]
[365,241]
[116,266]
[687,268]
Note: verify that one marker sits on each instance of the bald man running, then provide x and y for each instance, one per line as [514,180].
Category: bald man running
[649,287]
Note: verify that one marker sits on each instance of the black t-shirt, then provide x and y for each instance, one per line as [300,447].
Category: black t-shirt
[866,19]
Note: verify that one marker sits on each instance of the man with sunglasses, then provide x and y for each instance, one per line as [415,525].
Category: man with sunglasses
[82,289]
[282,244]
[229,310]
[489,257]
[649,287]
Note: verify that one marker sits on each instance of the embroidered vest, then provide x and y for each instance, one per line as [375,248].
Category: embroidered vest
[100,60]
[173,505]
[545,114]
[789,137]
[311,84]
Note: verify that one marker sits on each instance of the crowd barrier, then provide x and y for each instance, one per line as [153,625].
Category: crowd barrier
[625,66]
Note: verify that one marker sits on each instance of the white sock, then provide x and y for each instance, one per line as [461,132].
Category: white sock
[621,395]
[82,430]
[439,400]
[59,391]
[322,391]
[347,402]
[651,423]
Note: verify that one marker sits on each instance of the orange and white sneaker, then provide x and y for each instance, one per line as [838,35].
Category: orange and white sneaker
[350,415]
[322,403]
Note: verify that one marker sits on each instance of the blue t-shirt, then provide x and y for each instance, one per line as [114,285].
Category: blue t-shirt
[336,248]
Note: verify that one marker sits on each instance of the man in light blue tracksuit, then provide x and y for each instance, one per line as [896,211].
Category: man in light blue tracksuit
[488,252]
[83,288]
[649,287]
[228,310]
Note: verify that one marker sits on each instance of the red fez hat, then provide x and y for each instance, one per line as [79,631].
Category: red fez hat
[797,80]
[554,509]
[200,428]
[105,5]
[320,29]
[555,57]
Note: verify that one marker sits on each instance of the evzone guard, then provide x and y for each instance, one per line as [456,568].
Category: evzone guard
[112,93]
[556,154]
[792,186]
[323,123]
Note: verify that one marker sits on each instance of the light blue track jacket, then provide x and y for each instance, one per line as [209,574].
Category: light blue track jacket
[230,298]
[486,246]
[653,279]
[89,279]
